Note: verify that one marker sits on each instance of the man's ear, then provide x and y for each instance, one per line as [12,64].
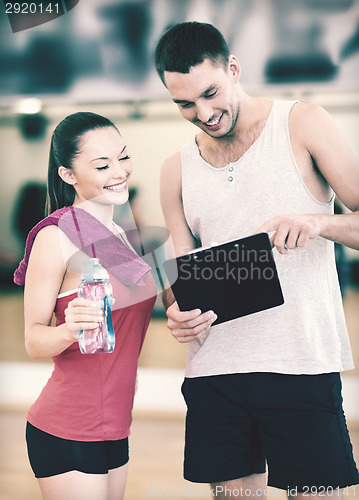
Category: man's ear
[67,175]
[234,67]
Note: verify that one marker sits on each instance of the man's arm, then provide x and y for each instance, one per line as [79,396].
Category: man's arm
[315,132]
[168,298]
[184,325]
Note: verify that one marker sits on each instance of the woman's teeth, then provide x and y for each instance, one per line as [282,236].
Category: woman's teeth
[116,187]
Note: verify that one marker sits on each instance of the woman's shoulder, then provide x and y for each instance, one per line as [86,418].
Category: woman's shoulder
[48,236]
[44,241]
[54,241]
[49,244]
[47,231]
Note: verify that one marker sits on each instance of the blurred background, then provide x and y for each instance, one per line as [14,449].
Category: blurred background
[99,57]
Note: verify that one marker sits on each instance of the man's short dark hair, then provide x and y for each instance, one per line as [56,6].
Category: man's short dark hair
[188,44]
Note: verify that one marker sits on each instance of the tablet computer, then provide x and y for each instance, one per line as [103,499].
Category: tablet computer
[233,279]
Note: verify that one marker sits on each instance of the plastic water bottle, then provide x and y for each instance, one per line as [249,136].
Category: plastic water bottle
[95,286]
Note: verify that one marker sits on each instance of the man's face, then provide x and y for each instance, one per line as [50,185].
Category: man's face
[207,95]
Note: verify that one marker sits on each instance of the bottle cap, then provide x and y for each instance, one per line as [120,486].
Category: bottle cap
[92,270]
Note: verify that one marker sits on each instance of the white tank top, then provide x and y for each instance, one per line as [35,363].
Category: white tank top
[306,335]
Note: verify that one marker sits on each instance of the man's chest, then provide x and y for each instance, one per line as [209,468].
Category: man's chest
[221,152]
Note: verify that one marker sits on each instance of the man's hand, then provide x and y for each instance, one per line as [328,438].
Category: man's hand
[292,231]
[188,325]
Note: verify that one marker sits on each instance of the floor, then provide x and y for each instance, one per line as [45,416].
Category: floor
[157,437]
[155,465]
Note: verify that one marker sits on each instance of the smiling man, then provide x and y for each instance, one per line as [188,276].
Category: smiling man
[265,388]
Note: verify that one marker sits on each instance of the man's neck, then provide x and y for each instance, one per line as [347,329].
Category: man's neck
[252,118]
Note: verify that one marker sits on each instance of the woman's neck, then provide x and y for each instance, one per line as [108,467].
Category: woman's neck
[102,212]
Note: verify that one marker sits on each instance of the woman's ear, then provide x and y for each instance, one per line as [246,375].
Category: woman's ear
[67,175]
[234,68]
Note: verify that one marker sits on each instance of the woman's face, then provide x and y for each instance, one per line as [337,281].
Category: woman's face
[101,170]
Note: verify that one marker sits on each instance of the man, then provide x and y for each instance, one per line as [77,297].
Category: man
[265,387]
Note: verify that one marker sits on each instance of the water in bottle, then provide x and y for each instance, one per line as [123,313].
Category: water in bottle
[95,286]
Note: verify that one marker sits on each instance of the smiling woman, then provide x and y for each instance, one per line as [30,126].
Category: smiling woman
[74,443]
[82,146]
[93,172]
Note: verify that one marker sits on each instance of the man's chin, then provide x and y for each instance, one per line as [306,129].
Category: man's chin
[217,134]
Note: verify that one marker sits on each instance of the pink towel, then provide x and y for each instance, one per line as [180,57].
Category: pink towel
[93,238]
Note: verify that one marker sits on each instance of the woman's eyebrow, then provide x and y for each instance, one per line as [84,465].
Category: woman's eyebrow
[105,157]
[100,158]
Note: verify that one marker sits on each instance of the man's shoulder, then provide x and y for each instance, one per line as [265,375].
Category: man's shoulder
[308,120]
[307,112]
[172,162]
[171,172]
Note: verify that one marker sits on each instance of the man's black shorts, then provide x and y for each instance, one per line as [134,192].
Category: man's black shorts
[236,423]
[50,455]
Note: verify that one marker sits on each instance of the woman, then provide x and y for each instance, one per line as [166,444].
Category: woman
[77,430]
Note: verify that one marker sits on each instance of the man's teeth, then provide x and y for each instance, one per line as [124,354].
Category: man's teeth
[116,187]
[214,122]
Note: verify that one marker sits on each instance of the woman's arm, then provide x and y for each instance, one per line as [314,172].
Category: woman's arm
[44,277]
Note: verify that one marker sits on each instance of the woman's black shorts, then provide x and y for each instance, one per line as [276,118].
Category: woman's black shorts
[50,455]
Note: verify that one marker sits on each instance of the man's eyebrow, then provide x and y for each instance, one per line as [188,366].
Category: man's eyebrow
[204,94]
[105,157]
[179,101]
[208,91]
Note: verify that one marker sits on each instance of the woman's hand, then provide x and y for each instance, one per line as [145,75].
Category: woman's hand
[82,314]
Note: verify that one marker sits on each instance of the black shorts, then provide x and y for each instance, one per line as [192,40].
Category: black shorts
[50,455]
[236,423]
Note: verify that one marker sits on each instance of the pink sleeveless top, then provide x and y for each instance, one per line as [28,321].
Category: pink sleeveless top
[89,397]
